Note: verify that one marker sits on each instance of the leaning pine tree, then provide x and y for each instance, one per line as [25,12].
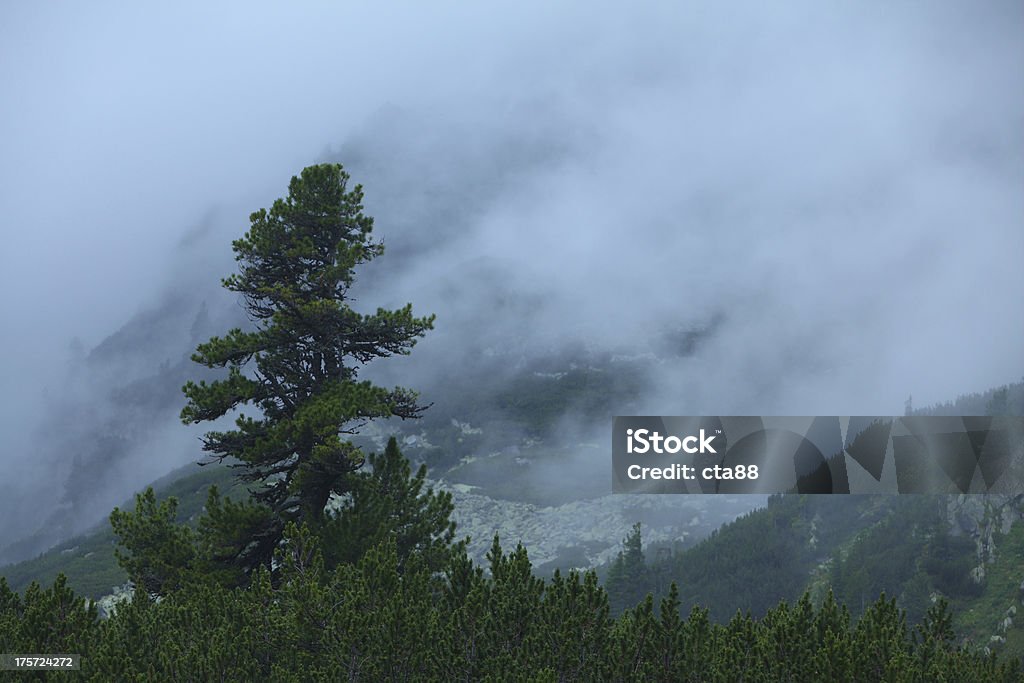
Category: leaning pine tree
[298,367]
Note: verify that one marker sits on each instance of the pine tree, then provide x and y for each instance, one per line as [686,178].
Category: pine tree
[999,404]
[298,366]
[626,582]
[157,553]
[389,502]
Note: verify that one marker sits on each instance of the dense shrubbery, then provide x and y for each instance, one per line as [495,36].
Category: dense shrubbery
[371,621]
[746,565]
[904,549]
[412,606]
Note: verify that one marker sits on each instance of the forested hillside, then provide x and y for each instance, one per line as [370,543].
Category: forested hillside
[318,317]
[917,549]
[330,555]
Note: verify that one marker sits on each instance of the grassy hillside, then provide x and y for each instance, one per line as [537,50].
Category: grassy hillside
[856,546]
[88,560]
[985,616]
[765,556]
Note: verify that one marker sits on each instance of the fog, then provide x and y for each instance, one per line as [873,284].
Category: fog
[835,192]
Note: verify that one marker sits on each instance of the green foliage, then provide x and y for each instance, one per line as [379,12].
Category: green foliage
[89,562]
[372,621]
[390,501]
[52,620]
[387,504]
[299,366]
[909,553]
[275,588]
[744,566]
[948,560]
[903,547]
[979,617]
[916,597]
[538,401]
[159,554]
[628,577]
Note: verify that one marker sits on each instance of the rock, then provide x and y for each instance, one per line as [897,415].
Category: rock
[465,428]
[967,524]
[548,531]
[108,603]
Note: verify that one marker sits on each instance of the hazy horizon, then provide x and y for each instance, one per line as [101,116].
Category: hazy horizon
[836,191]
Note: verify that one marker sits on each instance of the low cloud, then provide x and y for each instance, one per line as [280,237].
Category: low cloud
[833,192]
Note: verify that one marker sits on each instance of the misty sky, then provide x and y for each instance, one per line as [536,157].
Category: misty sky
[843,183]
